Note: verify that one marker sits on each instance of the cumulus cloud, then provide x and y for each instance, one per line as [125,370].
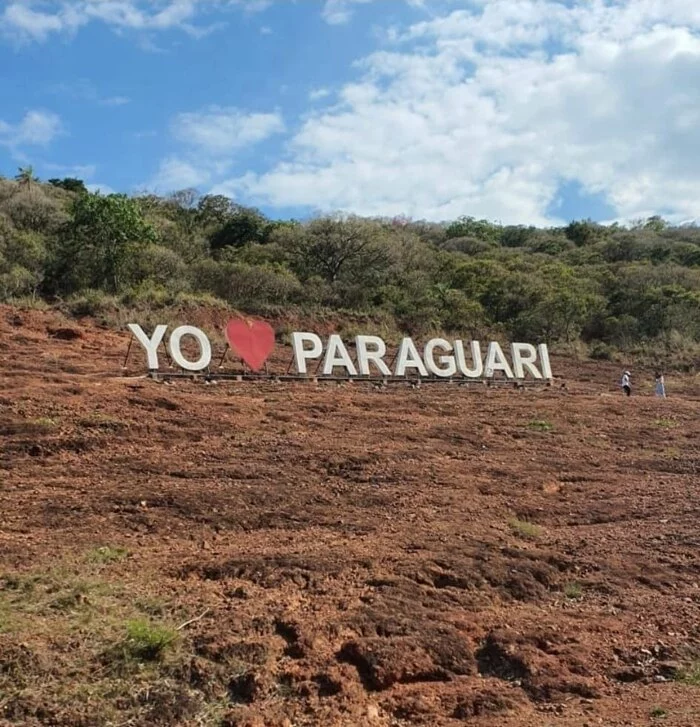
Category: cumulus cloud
[36,128]
[176,173]
[23,21]
[37,20]
[337,12]
[488,111]
[218,130]
[209,141]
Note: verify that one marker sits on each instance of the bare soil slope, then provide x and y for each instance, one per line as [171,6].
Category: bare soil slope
[291,554]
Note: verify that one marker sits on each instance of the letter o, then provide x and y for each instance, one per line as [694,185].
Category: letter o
[203,361]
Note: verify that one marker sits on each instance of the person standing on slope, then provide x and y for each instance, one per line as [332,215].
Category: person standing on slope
[626,383]
[660,385]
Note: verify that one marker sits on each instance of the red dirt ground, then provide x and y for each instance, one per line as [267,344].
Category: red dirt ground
[354,550]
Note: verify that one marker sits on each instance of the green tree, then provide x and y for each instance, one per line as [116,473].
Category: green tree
[584,232]
[70,184]
[214,209]
[244,225]
[517,236]
[96,244]
[336,248]
[22,261]
[470,227]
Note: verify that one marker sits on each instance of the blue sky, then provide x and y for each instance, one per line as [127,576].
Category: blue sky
[522,111]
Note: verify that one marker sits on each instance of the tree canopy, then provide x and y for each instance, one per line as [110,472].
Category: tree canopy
[600,287]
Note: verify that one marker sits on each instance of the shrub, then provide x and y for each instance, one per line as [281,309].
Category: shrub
[601,352]
[246,285]
[91,303]
[159,265]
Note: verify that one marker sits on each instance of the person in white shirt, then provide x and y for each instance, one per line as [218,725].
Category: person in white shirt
[660,386]
[626,383]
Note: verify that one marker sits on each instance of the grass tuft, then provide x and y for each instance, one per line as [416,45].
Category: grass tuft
[146,641]
[665,423]
[690,674]
[573,591]
[525,528]
[43,423]
[540,425]
[102,421]
[107,554]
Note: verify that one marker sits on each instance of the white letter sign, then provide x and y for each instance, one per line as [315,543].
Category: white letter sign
[544,358]
[205,347]
[337,355]
[150,344]
[376,356]
[254,342]
[409,358]
[301,354]
[524,356]
[449,368]
[496,361]
[478,369]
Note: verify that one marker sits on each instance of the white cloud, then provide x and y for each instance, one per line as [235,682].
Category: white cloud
[36,128]
[83,90]
[219,130]
[101,188]
[115,101]
[27,23]
[337,12]
[487,111]
[36,20]
[81,171]
[210,140]
[318,93]
[141,16]
[176,173]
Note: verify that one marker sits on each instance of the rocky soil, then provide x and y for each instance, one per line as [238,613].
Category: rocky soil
[291,554]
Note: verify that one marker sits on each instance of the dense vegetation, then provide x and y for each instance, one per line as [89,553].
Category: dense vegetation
[596,288]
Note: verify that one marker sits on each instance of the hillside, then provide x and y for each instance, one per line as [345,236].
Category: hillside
[287,555]
[609,292]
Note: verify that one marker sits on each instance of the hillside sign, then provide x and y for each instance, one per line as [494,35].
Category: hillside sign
[254,341]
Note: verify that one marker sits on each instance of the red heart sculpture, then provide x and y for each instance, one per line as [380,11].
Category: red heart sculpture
[253,341]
